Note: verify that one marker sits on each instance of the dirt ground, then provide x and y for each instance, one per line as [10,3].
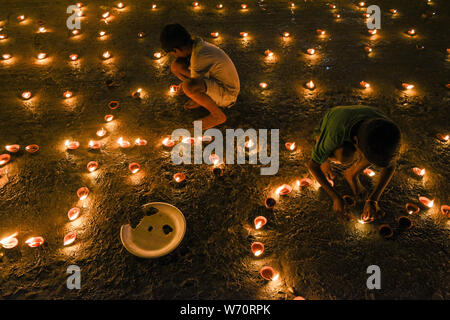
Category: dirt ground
[318,255]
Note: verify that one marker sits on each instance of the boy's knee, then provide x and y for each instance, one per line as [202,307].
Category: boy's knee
[193,86]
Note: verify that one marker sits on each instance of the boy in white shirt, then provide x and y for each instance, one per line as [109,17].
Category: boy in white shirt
[209,76]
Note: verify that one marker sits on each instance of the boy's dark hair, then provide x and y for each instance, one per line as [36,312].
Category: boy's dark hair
[174,36]
[379,140]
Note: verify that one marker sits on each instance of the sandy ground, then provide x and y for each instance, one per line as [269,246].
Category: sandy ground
[318,255]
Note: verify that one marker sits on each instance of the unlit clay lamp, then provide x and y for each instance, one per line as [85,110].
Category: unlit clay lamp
[349,200]
[386,231]
[113,104]
[404,223]
[270,203]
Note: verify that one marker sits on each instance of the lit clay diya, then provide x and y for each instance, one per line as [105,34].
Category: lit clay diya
[26,95]
[123,143]
[137,94]
[70,238]
[445,210]
[134,167]
[411,208]
[109,118]
[443,137]
[426,202]
[73,57]
[32,148]
[349,200]
[268,273]
[257,248]
[179,177]
[214,34]
[418,171]
[368,49]
[270,203]
[310,85]
[311,51]
[4,159]
[113,105]
[73,213]
[290,146]
[82,193]
[268,53]
[385,231]
[34,242]
[217,171]
[369,172]
[404,223]
[168,142]
[72,145]
[140,142]
[320,32]
[95,144]
[9,242]
[13,148]
[101,133]
[305,182]
[259,222]
[364,84]
[92,166]
[214,159]
[284,190]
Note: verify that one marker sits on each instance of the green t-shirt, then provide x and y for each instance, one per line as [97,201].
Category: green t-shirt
[335,128]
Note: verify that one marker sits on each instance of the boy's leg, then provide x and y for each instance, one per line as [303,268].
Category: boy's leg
[180,68]
[352,176]
[196,90]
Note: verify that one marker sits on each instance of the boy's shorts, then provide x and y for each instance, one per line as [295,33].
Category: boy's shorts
[221,95]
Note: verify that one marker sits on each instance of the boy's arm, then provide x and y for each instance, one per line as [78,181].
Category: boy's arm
[385,177]
[338,202]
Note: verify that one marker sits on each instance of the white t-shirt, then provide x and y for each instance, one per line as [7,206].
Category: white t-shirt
[211,62]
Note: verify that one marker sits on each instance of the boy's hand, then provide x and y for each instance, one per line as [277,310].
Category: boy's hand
[371,211]
[326,169]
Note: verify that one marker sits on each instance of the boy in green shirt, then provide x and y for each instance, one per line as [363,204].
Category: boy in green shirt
[361,133]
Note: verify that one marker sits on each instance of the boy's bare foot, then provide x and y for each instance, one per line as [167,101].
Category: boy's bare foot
[211,121]
[191,104]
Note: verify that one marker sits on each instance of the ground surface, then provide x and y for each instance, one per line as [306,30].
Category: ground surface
[317,254]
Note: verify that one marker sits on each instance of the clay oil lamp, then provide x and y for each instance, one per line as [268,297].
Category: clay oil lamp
[32,148]
[106,55]
[13,148]
[366,15]
[445,210]
[404,223]
[411,208]
[310,85]
[349,200]
[386,231]
[291,5]
[123,143]
[368,49]
[263,85]
[168,142]
[42,29]
[195,4]
[331,182]
[80,13]
[157,55]
[244,34]
[443,137]
[82,193]
[337,15]
[332,6]
[268,273]
[219,6]
[320,32]
[426,202]
[92,166]
[70,238]
[259,222]
[21,18]
[134,167]
[10,241]
[364,84]
[418,171]
[369,172]
[140,142]
[4,159]
[109,118]
[299,298]
[137,93]
[6,56]
[41,56]
[286,34]
[283,190]
[75,32]
[214,159]
[362,4]
[94,145]
[393,11]
[268,53]
[179,177]
[243,6]
[214,34]
[173,89]
[71,145]
[141,35]
[105,15]
[290,146]
[249,143]
[101,33]
[73,57]
[101,133]
[412,32]
[79,4]
[153,6]
[407,86]
[257,248]
[372,31]
[67,94]
[113,105]
[73,213]
[270,203]
[188,140]
[34,242]
[120,5]
[26,95]
[3,36]
[311,51]
[304,182]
